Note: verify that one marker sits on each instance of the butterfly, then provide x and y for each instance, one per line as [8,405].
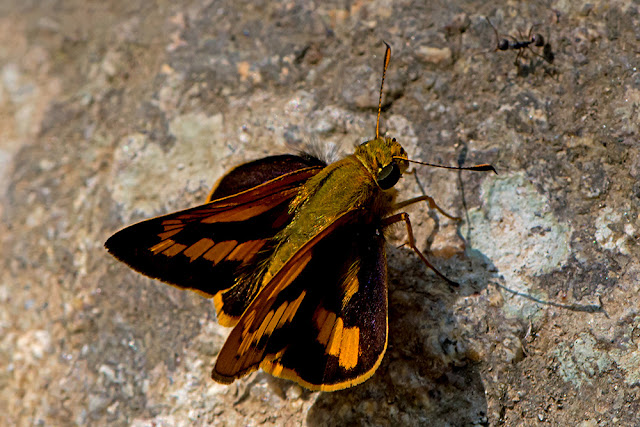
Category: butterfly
[292,252]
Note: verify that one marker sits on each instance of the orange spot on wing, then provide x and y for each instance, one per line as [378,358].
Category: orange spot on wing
[326,326]
[349,348]
[220,251]
[250,210]
[161,246]
[319,316]
[168,234]
[249,318]
[258,334]
[171,222]
[197,249]
[195,215]
[333,348]
[245,345]
[246,250]
[291,310]
[172,227]
[237,214]
[275,320]
[174,249]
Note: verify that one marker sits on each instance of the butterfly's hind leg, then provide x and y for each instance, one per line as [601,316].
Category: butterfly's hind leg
[403,216]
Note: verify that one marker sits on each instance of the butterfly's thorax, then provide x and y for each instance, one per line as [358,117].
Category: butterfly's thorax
[342,186]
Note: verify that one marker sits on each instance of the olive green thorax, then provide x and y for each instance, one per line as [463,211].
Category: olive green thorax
[385,159]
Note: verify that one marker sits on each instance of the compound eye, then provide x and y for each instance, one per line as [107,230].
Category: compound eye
[389,176]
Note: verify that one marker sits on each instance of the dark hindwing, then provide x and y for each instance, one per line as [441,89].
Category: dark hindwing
[208,248]
[322,320]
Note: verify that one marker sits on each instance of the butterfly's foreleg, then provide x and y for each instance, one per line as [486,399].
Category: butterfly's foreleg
[430,201]
[403,216]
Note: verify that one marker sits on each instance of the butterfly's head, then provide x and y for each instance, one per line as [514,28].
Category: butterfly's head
[385,159]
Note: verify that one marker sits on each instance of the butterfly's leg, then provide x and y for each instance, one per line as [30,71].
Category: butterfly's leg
[403,216]
[429,200]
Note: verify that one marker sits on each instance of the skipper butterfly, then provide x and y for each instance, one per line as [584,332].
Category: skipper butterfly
[292,251]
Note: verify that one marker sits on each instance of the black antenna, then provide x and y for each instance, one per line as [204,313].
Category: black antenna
[485,167]
[387,57]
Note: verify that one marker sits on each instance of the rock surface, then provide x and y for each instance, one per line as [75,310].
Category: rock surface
[111,112]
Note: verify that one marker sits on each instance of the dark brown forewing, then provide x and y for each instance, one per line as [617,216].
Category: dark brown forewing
[252,174]
[206,248]
[322,320]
